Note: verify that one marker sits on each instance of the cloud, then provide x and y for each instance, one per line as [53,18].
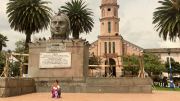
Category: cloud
[169,44]
[135,24]
[3,17]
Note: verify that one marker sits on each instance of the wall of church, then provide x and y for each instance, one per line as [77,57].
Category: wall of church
[118,46]
[130,49]
[93,49]
[108,2]
[114,27]
[109,11]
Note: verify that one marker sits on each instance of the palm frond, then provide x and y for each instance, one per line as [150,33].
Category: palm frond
[28,16]
[80,16]
[166,19]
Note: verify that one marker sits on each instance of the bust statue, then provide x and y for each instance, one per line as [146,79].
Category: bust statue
[60,26]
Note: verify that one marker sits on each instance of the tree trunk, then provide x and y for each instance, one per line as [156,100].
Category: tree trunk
[1,45]
[75,34]
[0,48]
[28,39]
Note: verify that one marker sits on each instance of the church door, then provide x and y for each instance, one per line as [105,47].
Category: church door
[110,71]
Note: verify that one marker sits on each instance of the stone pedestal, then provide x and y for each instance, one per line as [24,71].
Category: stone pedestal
[58,58]
[67,62]
[16,86]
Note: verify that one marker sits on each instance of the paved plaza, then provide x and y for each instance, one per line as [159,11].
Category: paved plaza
[155,96]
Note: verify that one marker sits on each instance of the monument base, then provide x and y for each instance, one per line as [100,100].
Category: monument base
[97,85]
[16,86]
[58,58]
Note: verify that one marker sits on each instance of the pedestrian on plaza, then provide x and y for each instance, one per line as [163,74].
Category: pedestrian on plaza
[56,90]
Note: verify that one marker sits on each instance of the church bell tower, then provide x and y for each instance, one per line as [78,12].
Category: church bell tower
[111,46]
[109,21]
[110,42]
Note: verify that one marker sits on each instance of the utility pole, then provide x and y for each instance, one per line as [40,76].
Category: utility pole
[170,68]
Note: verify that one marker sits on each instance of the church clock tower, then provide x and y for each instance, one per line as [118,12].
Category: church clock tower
[109,45]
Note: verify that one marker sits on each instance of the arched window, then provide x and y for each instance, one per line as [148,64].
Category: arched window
[114,47]
[103,13]
[105,47]
[109,47]
[115,26]
[115,12]
[109,27]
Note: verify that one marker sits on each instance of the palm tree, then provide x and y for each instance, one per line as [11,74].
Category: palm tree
[80,17]
[3,40]
[28,16]
[167,19]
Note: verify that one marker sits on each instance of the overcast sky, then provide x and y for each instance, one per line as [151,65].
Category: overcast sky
[135,23]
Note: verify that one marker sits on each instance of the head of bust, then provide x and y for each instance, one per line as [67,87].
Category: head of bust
[60,26]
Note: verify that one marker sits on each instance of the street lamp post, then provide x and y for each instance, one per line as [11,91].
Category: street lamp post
[170,68]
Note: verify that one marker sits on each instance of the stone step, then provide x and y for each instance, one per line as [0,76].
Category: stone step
[119,81]
[119,89]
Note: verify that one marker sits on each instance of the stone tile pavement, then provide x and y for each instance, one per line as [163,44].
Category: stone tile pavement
[155,96]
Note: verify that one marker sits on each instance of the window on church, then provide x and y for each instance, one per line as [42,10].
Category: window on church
[109,47]
[109,27]
[103,13]
[113,47]
[115,26]
[105,47]
[115,14]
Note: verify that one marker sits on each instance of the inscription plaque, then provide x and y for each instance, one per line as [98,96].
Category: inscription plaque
[55,60]
[53,47]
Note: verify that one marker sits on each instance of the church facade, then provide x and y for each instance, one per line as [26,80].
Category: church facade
[110,45]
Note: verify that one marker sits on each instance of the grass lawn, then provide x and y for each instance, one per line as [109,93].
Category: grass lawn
[166,89]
